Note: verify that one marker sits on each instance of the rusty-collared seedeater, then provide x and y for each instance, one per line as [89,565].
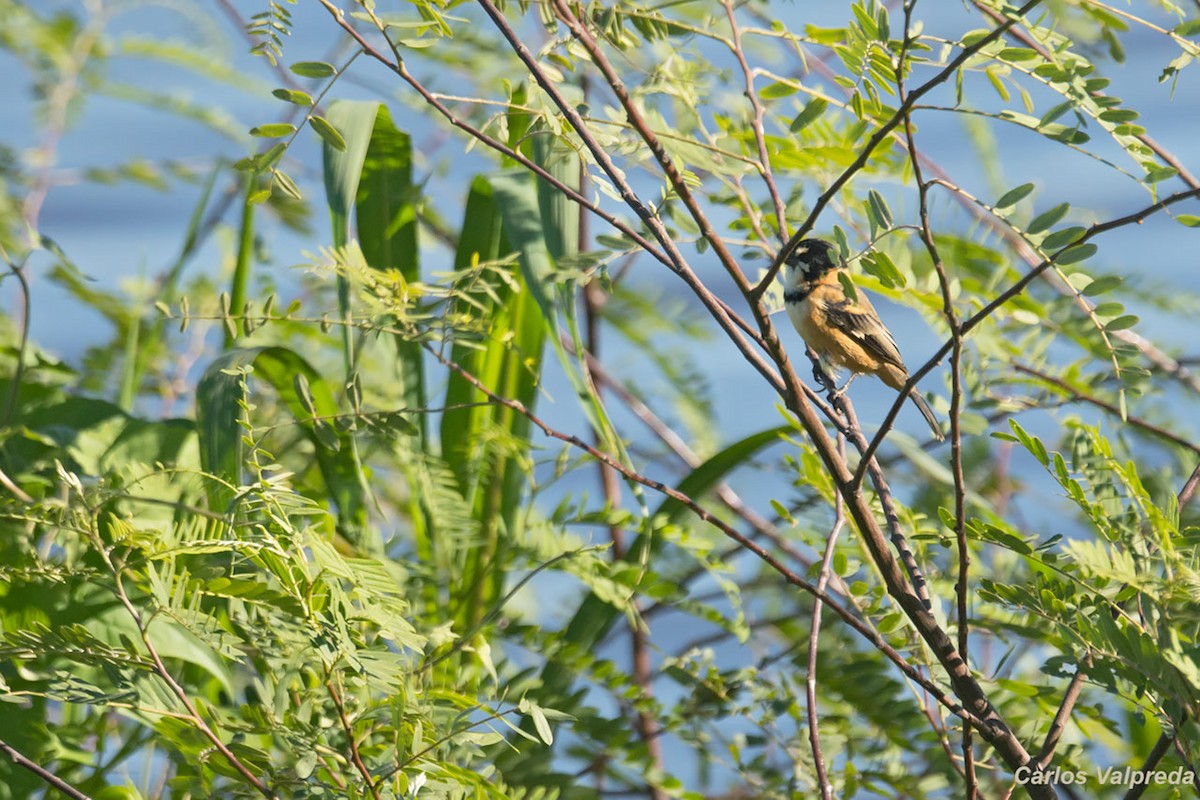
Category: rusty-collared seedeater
[846,331]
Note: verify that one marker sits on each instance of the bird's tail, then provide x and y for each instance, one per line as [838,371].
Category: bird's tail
[927,413]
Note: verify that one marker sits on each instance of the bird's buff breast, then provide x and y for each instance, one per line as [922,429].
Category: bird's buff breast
[809,318]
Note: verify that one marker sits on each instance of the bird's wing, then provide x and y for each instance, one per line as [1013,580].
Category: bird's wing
[860,322]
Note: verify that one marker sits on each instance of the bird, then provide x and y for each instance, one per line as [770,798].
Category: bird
[846,331]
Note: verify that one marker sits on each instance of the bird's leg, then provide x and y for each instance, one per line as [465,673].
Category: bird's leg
[842,389]
[819,374]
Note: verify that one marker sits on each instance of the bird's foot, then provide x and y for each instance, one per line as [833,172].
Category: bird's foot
[837,393]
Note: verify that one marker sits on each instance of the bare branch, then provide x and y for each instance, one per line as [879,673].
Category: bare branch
[760,136]
[43,773]
[814,637]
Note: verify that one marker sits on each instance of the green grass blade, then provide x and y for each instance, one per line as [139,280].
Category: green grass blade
[245,255]
[386,220]
[219,399]
[480,241]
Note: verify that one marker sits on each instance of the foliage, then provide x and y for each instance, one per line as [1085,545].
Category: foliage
[462,510]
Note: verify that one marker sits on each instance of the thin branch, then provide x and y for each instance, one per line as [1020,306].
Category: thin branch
[10,407]
[814,637]
[165,674]
[646,725]
[1189,488]
[43,773]
[1151,763]
[760,136]
[887,504]
[1075,394]
[1059,724]
[344,719]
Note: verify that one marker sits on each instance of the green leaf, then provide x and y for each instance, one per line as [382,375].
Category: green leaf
[811,112]
[1157,174]
[1103,284]
[881,266]
[1190,220]
[1076,254]
[294,96]
[385,212]
[1063,237]
[1014,196]
[273,130]
[480,241]
[1048,219]
[328,133]
[1054,113]
[1017,54]
[313,69]
[541,724]
[777,89]
[1188,28]
[343,165]
[1119,115]
[1121,323]
[879,210]
[286,183]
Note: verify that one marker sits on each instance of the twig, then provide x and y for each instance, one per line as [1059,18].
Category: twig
[344,718]
[1076,394]
[961,587]
[888,504]
[1059,723]
[760,136]
[43,773]
[1152,760]
[814,637]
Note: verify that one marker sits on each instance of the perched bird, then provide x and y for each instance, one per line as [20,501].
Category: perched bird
[847,332]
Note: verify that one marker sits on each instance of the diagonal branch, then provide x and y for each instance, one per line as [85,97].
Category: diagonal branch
[1059,723]
[37,769]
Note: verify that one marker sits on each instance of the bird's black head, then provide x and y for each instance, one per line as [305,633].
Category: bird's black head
[811,259]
